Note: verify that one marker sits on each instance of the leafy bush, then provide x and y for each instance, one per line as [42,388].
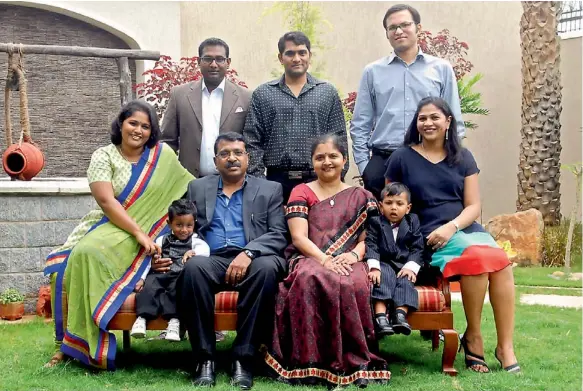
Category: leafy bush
[555,242]
[11,295]
[167,74]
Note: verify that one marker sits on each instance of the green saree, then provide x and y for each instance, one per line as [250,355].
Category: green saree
[93,277]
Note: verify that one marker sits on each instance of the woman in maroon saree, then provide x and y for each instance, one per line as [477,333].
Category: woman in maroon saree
[324,325]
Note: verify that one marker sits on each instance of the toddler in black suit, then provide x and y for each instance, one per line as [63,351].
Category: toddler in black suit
[394,247]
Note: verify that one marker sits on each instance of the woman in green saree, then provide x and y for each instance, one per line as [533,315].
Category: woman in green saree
[133,181]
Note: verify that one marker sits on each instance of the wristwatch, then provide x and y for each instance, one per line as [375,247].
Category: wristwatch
[250,254]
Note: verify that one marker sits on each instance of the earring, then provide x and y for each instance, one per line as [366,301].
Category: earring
[419,138]
[446,132]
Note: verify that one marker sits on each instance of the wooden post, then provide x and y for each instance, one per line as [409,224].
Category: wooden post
[125,80]
[121,56]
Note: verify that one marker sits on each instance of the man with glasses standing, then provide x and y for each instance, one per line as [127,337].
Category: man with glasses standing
[389,92]
[287,114]
[199,111]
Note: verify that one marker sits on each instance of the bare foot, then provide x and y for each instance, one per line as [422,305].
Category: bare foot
[57,358]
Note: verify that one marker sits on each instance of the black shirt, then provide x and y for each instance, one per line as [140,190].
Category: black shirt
[280,127]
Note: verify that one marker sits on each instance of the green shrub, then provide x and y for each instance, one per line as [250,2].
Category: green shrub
[555,243]
[11,295]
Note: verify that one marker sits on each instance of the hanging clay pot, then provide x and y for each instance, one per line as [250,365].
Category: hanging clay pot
[23,161]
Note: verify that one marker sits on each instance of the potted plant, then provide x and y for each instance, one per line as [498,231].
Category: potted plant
[11,304]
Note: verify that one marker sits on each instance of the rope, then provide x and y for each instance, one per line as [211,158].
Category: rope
[22,84]
[8,124]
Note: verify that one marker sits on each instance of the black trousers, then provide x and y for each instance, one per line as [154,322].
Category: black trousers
[204,277]
[288,184]
[158,296]
[374,173]
[396,291]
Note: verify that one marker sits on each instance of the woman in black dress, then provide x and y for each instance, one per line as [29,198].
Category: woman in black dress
[443,179]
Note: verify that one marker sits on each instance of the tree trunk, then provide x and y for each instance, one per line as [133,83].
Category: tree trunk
[540,149]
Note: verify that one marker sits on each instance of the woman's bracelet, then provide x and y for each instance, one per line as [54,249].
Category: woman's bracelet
[355,255]
[456,225]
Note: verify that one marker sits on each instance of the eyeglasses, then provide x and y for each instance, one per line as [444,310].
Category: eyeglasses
[403,26]
[227,154]
[209,60]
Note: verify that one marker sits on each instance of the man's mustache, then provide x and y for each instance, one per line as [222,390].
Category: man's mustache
[233,164]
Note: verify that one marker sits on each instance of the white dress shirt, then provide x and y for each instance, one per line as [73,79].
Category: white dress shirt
[375,264]
[212,103]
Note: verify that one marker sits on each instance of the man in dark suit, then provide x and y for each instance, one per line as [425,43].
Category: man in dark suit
[199,111]
[241,218]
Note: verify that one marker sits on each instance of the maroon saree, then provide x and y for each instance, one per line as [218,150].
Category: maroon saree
[324,328]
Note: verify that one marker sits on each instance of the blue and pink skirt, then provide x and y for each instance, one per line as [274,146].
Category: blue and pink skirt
[470,254]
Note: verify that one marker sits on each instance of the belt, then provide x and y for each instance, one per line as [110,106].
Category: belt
[292,174]
[382,152]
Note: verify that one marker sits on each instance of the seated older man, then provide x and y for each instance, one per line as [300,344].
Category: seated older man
[241,218]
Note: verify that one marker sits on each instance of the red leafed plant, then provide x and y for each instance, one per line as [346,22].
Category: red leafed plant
[446,46]
[167,74]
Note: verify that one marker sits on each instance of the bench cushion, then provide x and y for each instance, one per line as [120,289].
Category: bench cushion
[225,302]
[430,300]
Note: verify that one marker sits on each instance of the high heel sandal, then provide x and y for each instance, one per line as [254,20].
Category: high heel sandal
[475,360]
[513,368]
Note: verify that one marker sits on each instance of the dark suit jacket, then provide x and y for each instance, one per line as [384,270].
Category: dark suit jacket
[263,217]
[182,122]
[381,246]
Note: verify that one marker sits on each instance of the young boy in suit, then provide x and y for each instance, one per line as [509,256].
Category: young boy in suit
[394,247]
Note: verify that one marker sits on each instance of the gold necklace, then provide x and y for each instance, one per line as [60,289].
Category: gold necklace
[332,201]
[124,156]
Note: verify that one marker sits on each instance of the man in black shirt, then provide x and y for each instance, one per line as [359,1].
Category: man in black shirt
[287,114]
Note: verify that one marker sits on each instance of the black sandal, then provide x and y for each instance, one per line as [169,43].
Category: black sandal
[512,368]
[476,360]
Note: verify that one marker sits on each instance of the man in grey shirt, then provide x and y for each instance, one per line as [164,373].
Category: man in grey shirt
[390,89]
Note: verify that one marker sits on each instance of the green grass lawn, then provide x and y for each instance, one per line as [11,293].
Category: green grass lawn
[539,276]
[548,345]
[542,290]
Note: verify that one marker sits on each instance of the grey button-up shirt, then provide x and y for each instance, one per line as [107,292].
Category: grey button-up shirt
[387,100]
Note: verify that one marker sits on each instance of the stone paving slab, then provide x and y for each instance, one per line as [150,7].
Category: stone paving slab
[552,300]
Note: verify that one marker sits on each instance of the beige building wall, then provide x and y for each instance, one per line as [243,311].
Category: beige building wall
[490,28]
[571,117]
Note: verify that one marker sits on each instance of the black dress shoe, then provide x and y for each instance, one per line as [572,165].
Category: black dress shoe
[383,327]
[400,325]
[242,377]
[205,374]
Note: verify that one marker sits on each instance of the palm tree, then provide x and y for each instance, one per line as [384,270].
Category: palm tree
[540,149]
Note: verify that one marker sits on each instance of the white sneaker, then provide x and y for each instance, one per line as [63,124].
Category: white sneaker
[173,330]
[139,328]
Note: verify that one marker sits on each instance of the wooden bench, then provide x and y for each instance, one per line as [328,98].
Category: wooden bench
[434,314]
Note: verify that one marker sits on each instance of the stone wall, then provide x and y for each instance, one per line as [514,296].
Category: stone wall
[72,100]
[31,225]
